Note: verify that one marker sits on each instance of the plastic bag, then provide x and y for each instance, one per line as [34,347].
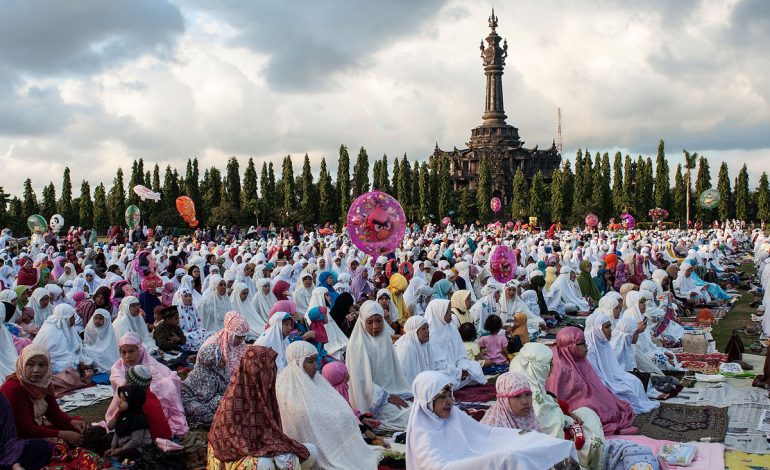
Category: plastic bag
[681,455]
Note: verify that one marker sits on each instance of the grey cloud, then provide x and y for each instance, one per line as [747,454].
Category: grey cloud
[309,41]
[51,37]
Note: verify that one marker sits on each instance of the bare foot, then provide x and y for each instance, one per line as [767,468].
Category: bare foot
[629,431]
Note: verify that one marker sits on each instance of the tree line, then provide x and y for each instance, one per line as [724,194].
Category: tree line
[592,184]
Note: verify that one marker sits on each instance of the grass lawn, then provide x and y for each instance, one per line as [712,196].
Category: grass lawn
[738,318]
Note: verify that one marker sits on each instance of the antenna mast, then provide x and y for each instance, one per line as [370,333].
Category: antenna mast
[559,138]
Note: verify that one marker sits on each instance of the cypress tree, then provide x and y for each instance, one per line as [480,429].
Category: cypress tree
[48,205]
[742,195]
[4,200]
[725,193]
[233,190]
[638,201]
[213,196]
[343,184]
[557,196]
[629,177]
[425,194]
[396,179]
[588,172]
[376,176]
[680,197]
[536,197]
[325,195]
[617,183]
[601,202]
[567,190]
[467,207]
[16,215]
[136,178]
[445,203]
[101,213]
[65,202]
[86,206]
[434,187]
[404,187]
[361,174]
[116,200]
[763,199]
[520,196]
[192,184]
[702,183]
[662,182]
[309,199]
[156,178]
[29,204]
[250,192]
[607,198]
[484,192]
[266,199]
[578,188]
[287,190]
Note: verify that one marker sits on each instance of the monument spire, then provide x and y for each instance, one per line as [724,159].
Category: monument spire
[493,57]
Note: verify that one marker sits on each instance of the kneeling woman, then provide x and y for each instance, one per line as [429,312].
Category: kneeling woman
[377,383]
[442,437]
[311,411]
[246,432]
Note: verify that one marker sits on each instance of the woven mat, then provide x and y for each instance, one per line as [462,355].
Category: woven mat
[736,460]
[476,393]
[683,423]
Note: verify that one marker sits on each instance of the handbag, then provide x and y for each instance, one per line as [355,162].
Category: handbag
[734,348]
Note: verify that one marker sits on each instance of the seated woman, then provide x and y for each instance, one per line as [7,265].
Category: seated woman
[512,303]
[130,320]
[413,348]
[189,320]
[166,384]
[598,331]
[661,357]
[276,337]
[554,416]
[376,378]
[242,304]
[461,302]
[30,394]
[311,411]
[99,342]
[8,352]
[70,365]
[246,431]
[442,437]
[205,385]
[19,453]
[40,301]
[586,283]
[230,340]
[214,304]
[573,380]
[263,300]
[342,313]
[100,299]
[513,407]
[447,347]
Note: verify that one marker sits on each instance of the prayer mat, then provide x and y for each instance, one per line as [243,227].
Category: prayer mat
[684,423]
[477,393]
[737,460]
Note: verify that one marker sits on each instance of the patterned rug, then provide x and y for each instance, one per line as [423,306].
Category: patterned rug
[476,393]
[683,423]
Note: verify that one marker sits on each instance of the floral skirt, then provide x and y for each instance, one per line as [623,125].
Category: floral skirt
[77,458]
[280,462]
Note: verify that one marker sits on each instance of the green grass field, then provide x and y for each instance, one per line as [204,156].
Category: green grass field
[738,318]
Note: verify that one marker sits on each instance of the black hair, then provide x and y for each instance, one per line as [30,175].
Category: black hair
[493,324]
[467,332]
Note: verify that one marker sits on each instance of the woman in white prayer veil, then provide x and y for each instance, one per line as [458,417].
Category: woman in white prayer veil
[302,293]
[239,300]
[442,437]
[186,284]
[8,354]
[449,354]
[214,304]
[264,299]
[661,357]
[511,303]
[376,379]
[62,341]
[314,412]
[40,301]
[598,331]
[464,271]
[129,320]
[99,342]
[568,291]
[624,338]
[319,298]
[611,305]
[413,348]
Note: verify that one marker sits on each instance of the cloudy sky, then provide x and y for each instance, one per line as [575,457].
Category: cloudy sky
[94,84]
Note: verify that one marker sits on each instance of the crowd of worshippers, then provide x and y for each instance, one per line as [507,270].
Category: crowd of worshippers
[303,351]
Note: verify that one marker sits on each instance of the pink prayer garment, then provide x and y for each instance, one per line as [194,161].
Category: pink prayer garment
[495,346]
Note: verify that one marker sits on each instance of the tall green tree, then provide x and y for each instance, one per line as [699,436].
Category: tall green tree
[520,196]
[233,184]
[4,216]
[680,196]
[101,213]
[86,206]
[156,178]
[586,193]
[725,193]
[29,203]
[48,205]
[742,196]
[288,193]
[325,195]
[662,181]
[250,194]
[136,178]
[425,194]
[65,201]
[343,184]
[578,188]
[309,197]
[557,196]
[702,183]
[567,189]
[629,180]
[602,197]
[763,199]
[212,198]
[689,164]
[16,216]
[116,200]
[484,192]
[396,178]
[405,187]
[617,183]
[466,210]
[536,197]
[445,196]
[361,174]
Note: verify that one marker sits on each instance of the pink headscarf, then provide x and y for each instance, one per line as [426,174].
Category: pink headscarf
[235,325]
[168,294]
[280,290]
[286,306]
[574,380]
[79,297]
[511,384]
[337,375]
